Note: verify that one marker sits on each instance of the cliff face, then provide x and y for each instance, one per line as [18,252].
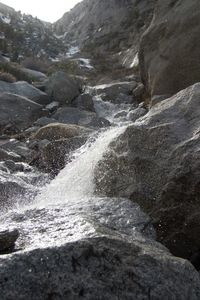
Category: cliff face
[169,50]
[106,25]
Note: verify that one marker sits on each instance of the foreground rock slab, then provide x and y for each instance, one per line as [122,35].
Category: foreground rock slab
[92,249]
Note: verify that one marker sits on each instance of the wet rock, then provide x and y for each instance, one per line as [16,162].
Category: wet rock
[24,89]
[55,155]
[92,251]
[17,111]
[111,92]
[11,188]
[8,239]
[139,93]
[123,98]
[52,106]
[5,155]
[62,88]
[169,49]
[71,115]
[84,102]
[156,162]
[14,167]
[137,113]
[57,131]
[44,121]
[19,148]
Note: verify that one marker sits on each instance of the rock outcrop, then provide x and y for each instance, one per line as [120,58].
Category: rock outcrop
[62,88]
[24,89]
[92,252]
[156,163]
[169,49]
[17,111]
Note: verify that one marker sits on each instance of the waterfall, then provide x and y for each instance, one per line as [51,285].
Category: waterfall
[76,181]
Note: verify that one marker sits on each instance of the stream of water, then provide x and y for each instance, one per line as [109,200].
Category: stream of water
[67,209]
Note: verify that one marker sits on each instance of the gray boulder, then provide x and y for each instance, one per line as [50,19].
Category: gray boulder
[54,155]
[23,88]
[7,155]
[71,115]
[169,49]
[111,92]
[8,239]
[58,131]
[62,88]
[137,113]
[18,149]
[90,251]
[156,163]
[11,187]
[18,111]
[35,75]
[84,102]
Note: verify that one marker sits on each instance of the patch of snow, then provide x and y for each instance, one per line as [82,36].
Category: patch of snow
[5,19]
[85,62]
[135,62]
[72,51]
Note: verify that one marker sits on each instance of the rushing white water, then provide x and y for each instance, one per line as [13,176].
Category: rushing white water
[75,181]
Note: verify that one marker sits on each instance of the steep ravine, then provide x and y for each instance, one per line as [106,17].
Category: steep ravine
[100,191]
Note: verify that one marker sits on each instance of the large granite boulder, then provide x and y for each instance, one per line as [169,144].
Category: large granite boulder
[56,154]
[23,88]
[156,163]
[62,88]
[18,111]
[35,75]
[58,131]
[84,102]
[169,49]
[88,250]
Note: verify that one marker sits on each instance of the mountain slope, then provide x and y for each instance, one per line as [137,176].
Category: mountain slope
[22,35]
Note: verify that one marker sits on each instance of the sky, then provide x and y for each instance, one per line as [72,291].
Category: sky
[46,10]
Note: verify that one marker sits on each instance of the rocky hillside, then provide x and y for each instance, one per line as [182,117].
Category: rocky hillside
[100,27]
[100,154]
[23,36]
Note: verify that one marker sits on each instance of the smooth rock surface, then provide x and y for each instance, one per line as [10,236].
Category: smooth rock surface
[23,88]
[72,115]
[156,163]
[17,111]
[62,88]
[169,49]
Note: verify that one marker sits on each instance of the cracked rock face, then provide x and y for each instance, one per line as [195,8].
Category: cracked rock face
[91,250]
